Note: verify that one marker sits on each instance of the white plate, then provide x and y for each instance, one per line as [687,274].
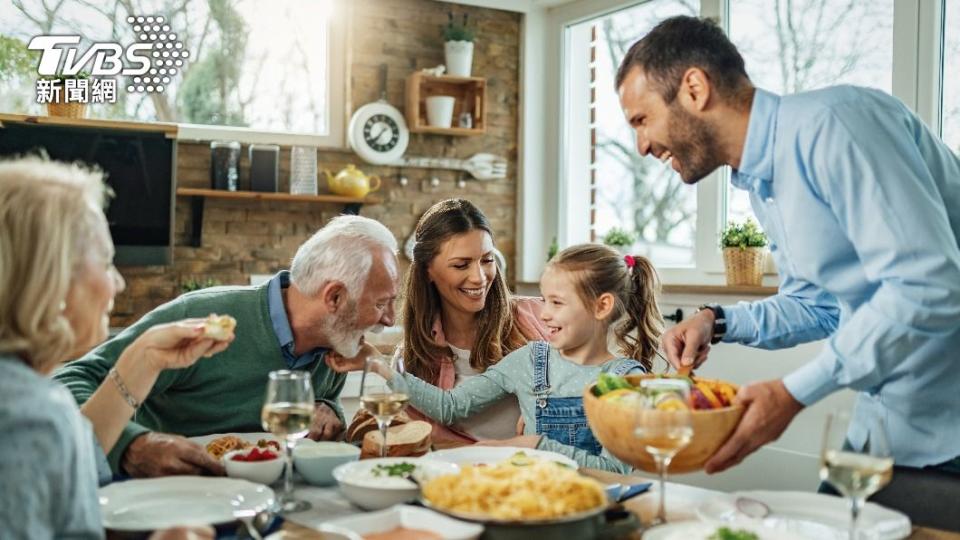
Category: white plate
[690,530]
[410,517]
[156,503]
[490,455]
[810,514]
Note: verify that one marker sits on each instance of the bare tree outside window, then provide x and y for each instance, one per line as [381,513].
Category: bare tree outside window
[638,194]
[792,46]
[253,63]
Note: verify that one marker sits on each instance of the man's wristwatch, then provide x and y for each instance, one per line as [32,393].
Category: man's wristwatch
[719,321]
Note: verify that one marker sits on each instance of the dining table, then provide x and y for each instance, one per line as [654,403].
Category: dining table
[681,501]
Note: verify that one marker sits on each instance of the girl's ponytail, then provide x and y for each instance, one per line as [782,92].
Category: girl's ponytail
[639,334]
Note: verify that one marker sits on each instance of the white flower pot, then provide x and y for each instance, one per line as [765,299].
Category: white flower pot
[440,111]
[459,57]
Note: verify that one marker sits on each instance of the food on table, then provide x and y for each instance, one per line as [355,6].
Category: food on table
[268,443]
[402,469]
[705,394]
[219,327]
[405,440]
[540,489]
[725,533]
[257,454]
[228,443]
[364,422]
[403,533]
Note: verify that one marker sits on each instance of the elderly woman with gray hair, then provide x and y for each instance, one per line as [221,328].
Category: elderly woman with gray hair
[57,284]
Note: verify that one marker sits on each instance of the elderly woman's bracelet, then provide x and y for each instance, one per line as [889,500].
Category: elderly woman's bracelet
[122,388]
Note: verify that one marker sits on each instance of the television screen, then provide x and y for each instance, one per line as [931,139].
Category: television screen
[139,168]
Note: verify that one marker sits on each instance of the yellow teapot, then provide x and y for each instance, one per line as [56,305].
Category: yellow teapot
[351,182]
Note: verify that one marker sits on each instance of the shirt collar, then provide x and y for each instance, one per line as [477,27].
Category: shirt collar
[278,313]
[756,163]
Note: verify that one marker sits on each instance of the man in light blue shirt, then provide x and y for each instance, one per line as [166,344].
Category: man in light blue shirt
[862,207]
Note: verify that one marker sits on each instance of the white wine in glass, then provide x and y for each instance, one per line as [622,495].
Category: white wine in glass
[288,413]
[664,427]
[383,393]
[855,474]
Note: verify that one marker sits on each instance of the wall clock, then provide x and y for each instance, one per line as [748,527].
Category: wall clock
[377,132]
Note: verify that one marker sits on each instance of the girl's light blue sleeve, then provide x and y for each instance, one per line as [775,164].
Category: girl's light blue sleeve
[605,461]
[475,394]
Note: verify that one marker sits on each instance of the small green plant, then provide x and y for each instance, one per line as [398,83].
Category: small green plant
[553,249]
[197,284]
[62,77]
[457,32]
[745,235]
[618,237]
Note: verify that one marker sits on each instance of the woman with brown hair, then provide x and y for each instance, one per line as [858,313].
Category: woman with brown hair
[459,318]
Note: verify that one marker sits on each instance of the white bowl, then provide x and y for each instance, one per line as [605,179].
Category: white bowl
[410,517]
[261,472]
[359,485]
[315,462]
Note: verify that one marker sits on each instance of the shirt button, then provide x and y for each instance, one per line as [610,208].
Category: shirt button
[773,247]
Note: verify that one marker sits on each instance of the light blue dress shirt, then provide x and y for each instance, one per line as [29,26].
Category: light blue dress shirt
[281,324]
[862,207]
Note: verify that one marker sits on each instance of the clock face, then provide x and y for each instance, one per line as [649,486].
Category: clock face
[381,133]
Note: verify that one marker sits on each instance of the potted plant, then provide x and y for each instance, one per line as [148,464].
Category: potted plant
[458,46]
[744,253]
[59,105]
[619,239]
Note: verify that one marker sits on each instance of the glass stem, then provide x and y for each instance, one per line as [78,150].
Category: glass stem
[856,504]
[662,463]
[288,470]
[383,425]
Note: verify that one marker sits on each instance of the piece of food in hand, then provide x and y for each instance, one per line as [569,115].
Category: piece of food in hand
[219,327]
[228,443]
[406,440]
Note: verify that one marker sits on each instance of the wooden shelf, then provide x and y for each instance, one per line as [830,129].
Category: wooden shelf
[272,196]
[197,196]
[739,290]
[169,130]
[470,94]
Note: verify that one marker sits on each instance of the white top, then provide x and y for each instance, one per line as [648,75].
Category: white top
[498,421]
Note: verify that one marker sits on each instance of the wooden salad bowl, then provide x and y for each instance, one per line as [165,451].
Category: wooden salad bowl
[614,423]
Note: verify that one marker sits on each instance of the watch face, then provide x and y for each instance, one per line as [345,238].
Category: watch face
[381,132]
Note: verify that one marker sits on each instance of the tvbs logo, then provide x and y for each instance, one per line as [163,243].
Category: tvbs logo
[106,58]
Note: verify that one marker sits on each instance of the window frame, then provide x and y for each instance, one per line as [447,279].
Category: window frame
[917,49]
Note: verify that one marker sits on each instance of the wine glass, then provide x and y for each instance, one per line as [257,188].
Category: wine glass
[664,427]
[856,474]
[288,414]
[383,393]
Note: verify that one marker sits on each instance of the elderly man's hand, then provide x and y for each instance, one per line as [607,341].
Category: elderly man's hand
[326,424]
[770,409]
[162,454]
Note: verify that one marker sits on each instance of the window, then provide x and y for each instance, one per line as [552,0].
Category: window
[951,77]
[255,64]
[639,195]
[800,45]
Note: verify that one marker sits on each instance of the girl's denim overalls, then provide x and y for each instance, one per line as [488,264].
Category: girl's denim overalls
[563,418]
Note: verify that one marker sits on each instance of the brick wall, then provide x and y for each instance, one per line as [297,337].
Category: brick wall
[258,237]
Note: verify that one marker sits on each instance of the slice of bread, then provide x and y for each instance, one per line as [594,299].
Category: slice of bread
[405,440]
[364,422]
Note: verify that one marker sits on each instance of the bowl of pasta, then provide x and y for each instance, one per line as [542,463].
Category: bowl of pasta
[611,405]
[535,498]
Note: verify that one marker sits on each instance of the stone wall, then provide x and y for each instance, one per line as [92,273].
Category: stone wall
[243,237]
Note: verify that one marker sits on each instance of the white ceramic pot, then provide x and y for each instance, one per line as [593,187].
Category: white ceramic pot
[459,57]
[440,111]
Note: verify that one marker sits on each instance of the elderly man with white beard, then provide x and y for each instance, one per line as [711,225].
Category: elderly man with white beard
[343,282]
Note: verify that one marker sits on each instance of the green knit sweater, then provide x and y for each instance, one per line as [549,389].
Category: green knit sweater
[220,394]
